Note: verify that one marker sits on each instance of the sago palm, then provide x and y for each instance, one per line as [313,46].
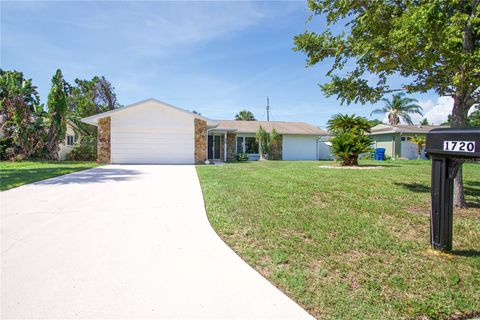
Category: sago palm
[399,108]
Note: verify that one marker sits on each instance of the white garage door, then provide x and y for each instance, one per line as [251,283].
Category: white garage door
[152,133]
[152,145]
[299,147]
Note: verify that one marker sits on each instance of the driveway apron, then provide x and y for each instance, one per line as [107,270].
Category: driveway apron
[124,241]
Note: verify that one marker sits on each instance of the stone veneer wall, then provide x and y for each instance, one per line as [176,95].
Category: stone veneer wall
[231,142]
[103,140]
[200,140]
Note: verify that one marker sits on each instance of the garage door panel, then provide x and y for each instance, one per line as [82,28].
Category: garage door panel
[146,145]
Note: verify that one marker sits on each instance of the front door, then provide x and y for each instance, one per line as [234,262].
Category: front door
[214,147]
[217,147]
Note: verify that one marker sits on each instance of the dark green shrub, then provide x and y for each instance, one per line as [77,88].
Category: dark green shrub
[85,150]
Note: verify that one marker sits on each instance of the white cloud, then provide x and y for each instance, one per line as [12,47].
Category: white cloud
[436,112]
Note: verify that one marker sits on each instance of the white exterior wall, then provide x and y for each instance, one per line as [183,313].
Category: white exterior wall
[409,150]
[152,133]
[299,147]
[64,148]
[324,152]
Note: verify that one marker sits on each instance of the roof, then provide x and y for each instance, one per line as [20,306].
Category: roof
[282,127]
[402,128]
[76,128]
[94,119]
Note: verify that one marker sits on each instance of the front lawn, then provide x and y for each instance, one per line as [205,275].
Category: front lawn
[348,244]
[14,174]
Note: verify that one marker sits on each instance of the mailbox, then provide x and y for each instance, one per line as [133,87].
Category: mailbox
[447,148]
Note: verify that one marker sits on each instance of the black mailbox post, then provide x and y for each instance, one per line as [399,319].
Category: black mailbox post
[447,148]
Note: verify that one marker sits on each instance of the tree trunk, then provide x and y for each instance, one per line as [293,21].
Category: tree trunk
[459,120]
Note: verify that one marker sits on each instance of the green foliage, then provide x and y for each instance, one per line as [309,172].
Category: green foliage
[399,108]
[245,115]
[432,45]
[349,137]
[241,157]
[90,97]
[274,145]
[85,150]
[424,122]
[374,122]
[22,127]
[57,113]
[420,141]
[262,140]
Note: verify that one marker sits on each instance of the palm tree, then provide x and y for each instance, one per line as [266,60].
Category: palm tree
[245,115]
[420,142]
[399,108]
[349,137]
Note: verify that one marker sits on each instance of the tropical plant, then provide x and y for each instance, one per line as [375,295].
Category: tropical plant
[423,45]
[57,113]
[424,122]
[420,141]
[349,138]
[241,157]
[262,140]
[274,145]
[22,127]
[85,150]
[245,115]
[399,108]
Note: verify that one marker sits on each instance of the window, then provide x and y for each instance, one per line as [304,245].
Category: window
[251,145]
[403,139]
[247,145]
[239,144]
[69,140]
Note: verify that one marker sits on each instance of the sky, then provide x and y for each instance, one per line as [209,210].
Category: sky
[215,57]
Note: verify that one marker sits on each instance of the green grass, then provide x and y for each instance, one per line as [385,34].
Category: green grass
[349,244]
[14,174]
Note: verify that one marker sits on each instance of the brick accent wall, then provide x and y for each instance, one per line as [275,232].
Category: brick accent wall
[200,140]
[103,140]
[231,142]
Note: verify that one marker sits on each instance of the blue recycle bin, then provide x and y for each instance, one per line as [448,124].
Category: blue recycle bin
[380,154]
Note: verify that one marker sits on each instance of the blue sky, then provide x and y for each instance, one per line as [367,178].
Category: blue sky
[216,57]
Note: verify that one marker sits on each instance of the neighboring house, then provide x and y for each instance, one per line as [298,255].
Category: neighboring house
[152,131]
[74,135]
[396,139]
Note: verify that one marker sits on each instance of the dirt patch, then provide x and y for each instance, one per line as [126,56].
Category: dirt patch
[352,167]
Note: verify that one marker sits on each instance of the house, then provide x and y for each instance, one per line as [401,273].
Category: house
[152,131]
[396,139]
[74,135]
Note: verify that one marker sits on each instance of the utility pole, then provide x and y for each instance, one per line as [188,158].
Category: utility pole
[268,110]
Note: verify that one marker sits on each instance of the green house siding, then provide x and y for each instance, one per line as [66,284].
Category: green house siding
[390,141]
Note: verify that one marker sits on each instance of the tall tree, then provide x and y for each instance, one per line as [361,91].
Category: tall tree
[90,97]
[245,115]
[57,113]
[430,45]
[22,130]
[399,109]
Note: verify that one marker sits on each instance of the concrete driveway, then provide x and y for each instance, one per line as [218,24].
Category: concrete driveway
[124,242]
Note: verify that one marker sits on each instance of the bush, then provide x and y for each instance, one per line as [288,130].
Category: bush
[241,157]
[349,138]
[85,150]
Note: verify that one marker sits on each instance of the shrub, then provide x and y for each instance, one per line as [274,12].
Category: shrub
[85,150]
[349,138]
[241,157]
